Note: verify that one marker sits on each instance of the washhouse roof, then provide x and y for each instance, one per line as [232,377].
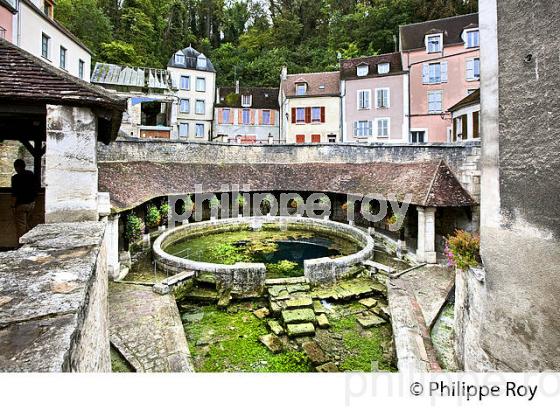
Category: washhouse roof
[141,77]
[431,183]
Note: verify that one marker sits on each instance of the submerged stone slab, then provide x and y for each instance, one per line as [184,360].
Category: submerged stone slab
[314,352]
[272,342]
[299,302]
[301,329]
[368,302]
[298,316]
[323,321]
[318,307]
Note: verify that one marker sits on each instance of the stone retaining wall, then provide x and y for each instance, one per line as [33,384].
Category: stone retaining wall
[247,279]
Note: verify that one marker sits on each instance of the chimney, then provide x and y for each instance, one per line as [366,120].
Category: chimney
[237,87]
[284,73]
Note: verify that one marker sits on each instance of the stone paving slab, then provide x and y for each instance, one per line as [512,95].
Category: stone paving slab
[147,330]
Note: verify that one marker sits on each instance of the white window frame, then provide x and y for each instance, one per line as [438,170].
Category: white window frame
[364,128]
[466,37]
[303,87]
[434,92]
[383,68]
[388,90]
[184,126]
[313,118]
[424,130]
[377,121]
[48,46]
[246,100]
[269,117]
[197,128]
[472,61]
[188,78]
[298,110]
[362,70]
[188,102]
[62,57]
[359,98]
[201,61]
[201,80]
[427,43]
[179,59]
[196,110]
[81,68]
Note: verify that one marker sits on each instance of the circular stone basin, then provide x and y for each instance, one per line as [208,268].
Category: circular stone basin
[258,247]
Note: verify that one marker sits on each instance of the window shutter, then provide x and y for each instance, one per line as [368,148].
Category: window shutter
[272,117]
[355,128]
[307,115]
[425,73]
[220,115]
[454,136]
[252,117]
[322,114]
[470,69]
[476,131]
[465,125]
[293,115]
[370,128]
[239,116]
[444,72]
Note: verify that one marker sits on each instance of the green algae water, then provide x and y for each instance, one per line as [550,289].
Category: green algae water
[283,252]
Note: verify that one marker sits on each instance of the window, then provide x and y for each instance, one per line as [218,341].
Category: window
[226,116]
[266,117]
[199,131]
[332,138]
[153,113]
[300,115]
[383,128]
[363,128]
[435,102]
[2,32]
[246,100]
[45,42]
[382,98]
[459,129]
[48,9]
[185,106]
[434,73]
[471,90]
[417,137]
[362,70]
[383,68]
[473,69]
[301,89]
[364,99]
[473,39]
[246,116]
[316,138]
[62,58]
[201,61]
[185,82]
[81,68]
[180,59]
[316,114]
[200,84]
[200,107]
[183,130]
[433,43]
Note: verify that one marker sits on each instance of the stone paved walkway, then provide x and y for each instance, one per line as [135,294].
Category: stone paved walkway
[147,330]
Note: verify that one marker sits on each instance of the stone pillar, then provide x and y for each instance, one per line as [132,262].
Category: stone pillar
[430,235]
[71,165]
[112,238]
[420,251]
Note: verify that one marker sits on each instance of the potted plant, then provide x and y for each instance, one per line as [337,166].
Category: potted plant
[164,213]
[134,228]
[153,217]
[462,250]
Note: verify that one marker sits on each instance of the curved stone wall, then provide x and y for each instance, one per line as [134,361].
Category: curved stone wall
[247,279]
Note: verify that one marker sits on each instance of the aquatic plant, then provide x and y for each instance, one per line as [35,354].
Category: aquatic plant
[134,228]
[228,254]
[283,269]
[462,250]
[153,217]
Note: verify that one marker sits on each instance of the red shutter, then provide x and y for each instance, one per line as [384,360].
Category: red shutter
[307,115]
[300,139]
[239,116]
[260,116]
[316,138]
[252,115]
[293,115]
[322,114]
[220,115]
[272,117]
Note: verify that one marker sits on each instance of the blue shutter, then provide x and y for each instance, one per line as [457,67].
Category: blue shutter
[444,71]
[425,73]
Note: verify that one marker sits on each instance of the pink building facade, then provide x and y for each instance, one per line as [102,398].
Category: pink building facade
[7,11]
[442,57]
[374,99]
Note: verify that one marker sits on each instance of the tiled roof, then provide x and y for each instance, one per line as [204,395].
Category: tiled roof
[430,183]
[412,35]
[191,60]
[262,97]
[348,67]
[112,74]
[471,99]
[318,84]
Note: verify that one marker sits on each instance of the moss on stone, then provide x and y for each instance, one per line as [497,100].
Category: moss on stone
[119,363]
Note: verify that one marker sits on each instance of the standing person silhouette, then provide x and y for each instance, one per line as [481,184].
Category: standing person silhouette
[24,192]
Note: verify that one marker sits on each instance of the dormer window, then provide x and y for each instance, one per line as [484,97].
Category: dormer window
[301,88]
[201,61]
[472,38]
[434,43]
[48,8]
[362,70]
[180,59]
[246,100]
[383,68]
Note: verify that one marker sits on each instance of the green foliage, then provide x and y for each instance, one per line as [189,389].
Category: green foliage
[164,212]
[214,202]
[240,200]
[153,217]
[463,250]
[134,228]
[305,35]
[228,254]
[283,269]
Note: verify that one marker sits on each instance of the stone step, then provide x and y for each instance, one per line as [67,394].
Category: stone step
[275,327]
[178,278]
[379,266]
[368,320]
[299,302]
[286,281]
[298,316]
[323,321]
[301,329]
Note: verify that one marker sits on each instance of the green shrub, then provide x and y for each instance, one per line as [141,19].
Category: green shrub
[463,250]
[164,213]
[214,202]
[188,205]
[240,200]
[266,203]
[134,228]
[153,217]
